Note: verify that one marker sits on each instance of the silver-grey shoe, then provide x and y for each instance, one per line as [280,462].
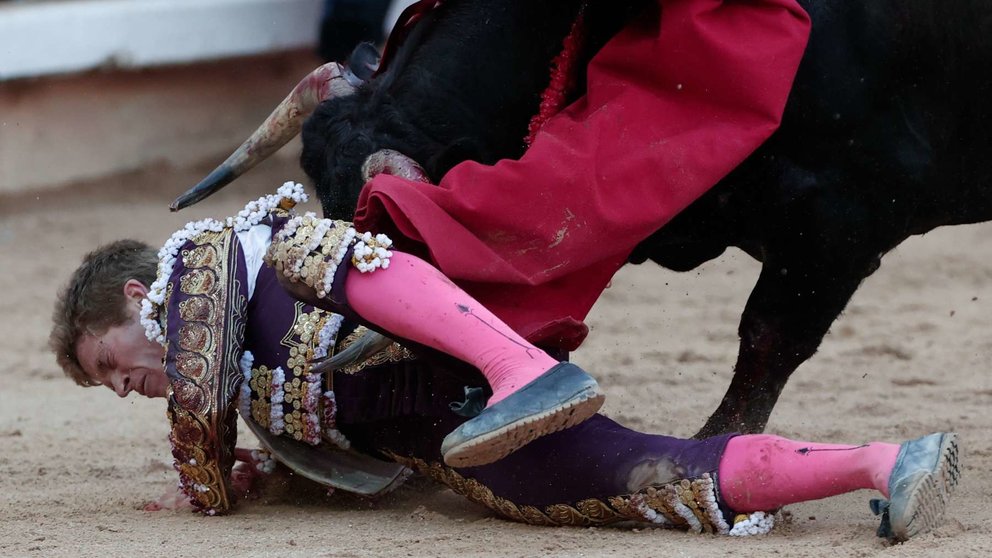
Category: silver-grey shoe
[924,476]
[560,398]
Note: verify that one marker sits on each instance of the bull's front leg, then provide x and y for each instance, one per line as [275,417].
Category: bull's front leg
[792,306]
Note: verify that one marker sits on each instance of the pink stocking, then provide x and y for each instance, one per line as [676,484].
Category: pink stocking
[763,472]
[414,300]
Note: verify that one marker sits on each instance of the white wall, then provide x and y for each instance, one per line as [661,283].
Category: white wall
[54,131]
[45,38]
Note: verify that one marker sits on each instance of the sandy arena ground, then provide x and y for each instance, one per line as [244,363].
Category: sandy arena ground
[911,355]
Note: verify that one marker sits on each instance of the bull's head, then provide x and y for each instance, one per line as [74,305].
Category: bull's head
[343,142]
[348,140]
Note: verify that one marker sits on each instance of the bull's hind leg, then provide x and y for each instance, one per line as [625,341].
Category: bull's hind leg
[792,306]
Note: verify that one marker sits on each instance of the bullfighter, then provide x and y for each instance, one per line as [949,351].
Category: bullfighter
[214,323]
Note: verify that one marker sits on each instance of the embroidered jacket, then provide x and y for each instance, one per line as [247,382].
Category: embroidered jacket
[235,340]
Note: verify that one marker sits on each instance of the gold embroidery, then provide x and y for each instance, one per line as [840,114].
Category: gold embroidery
[700,496]
[196,309]
[307,327]
[294,424]
[392,353]
[205,368]
[303,338]
[625,508]
[192,365]
[563,514]
[203,255]
[660,500]
[311,268]
[261,382]
[299,421]
[189,395]
[194,337]
[597,511]
[261,389]
[302,401]
[534,516]
[294,392]
[296,361]
[591,511]
[684,490]
[198,282]
[473,490]
[208,485]
[261,411]
[188,432]
[299,258]
[163,311]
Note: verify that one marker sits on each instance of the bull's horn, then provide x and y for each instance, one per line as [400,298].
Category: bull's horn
[392,162]
[281,126]
[358,352]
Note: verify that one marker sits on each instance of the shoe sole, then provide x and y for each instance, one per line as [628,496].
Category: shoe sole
[499,443]
[928,499]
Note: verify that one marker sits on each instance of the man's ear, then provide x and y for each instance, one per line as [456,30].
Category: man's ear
[134,289]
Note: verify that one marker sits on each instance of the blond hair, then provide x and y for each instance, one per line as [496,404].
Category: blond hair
[93,301]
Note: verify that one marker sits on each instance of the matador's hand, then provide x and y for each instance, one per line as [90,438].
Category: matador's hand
[255,465]
[173,499]
[247,476]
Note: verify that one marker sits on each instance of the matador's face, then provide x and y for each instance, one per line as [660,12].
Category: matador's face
[123,359]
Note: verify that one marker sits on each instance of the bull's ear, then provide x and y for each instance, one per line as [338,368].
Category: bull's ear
[364,61]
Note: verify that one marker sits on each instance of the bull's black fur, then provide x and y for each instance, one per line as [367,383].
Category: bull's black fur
[455,92]
[435,99]
[885,136]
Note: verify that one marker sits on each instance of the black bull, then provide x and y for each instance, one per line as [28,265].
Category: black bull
[883,137]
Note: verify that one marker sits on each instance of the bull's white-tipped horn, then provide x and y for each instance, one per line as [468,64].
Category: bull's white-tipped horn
[392,162]
[281,126]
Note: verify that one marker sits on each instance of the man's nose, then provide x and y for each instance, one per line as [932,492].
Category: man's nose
[121,382]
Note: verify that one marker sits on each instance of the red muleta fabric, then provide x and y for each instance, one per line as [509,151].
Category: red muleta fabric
[676,100]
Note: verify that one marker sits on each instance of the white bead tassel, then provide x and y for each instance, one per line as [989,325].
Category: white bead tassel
[649,514]
[264,462]
[276,423]
[756,523]
[328,333]
[251,215]
[371,253]
[683,511]
[329,421]
[311,411]
[244,400]
[710,506]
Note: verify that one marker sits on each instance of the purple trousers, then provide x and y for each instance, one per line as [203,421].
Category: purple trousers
[403,408]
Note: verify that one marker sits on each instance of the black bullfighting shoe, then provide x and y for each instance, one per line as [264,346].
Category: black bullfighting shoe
[926,472]
[562,397]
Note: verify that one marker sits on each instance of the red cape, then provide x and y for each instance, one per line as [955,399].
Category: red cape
[674,102]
